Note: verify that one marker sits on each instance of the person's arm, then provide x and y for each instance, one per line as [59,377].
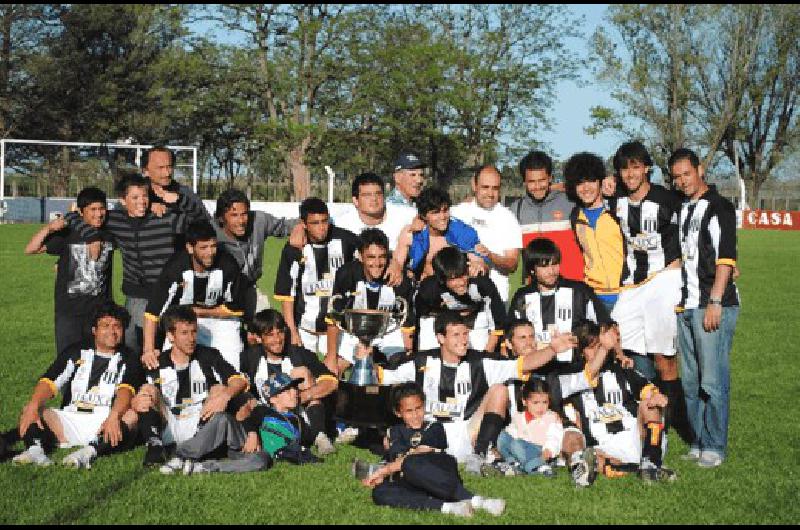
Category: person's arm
[725,219]
[236,384]
[325,382]
[286,280]
[36,244]
[560,342]
[713,313]
[498,309]
[400,254]
[31,412]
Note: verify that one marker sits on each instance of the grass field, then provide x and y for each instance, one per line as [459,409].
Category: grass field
[757,484]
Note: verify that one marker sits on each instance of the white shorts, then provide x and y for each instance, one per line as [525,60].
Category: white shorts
[625,446]
[180,428]
[222,334]
[80,428]
[390,344]
[316,343]
[646,314]
[461,436]
[478,338]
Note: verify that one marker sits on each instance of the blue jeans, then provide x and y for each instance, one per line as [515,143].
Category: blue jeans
[528,455]
[705,374]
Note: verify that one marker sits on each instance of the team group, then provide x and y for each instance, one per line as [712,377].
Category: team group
[621,277]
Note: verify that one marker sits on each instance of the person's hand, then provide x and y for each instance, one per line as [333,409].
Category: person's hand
[417,224]
[625,361]
[296,340]
[561,342]
[362,351]
[111,430]
[29,416]
[712,317]
[144,400]
[609,186]
[374,479]
[482,249]
[158,209]
[251,444]
[214,404]
[150,359]
[297,238]
[609,338]
[393,274]
[547,455]
[476,265]
[56,224]
[253,338]
[169,197]
[736,273]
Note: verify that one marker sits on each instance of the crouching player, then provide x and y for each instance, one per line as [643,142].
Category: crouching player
[184,402]
[97,384]
[618,411]
[420,474]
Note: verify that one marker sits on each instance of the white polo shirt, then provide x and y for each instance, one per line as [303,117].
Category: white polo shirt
[498,229]
[397,217]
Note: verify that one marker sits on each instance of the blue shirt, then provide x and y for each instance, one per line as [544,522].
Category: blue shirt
[593,214]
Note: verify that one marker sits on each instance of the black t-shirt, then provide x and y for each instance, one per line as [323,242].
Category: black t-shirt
[403,438]
[259,370]
[481,299]
[81,282]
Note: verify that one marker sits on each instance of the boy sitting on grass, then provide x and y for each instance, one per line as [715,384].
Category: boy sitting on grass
[420,474]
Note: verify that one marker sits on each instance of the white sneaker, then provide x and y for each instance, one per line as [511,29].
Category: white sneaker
[82,458]
[473,463]
[693,455]
[461,509]
[710,459]
[495,507]
[33,455]
[324,445]
[173,464]
[347,436]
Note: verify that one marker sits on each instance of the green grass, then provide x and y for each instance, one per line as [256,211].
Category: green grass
[757,484]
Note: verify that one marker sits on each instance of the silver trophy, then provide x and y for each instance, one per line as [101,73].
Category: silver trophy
[368,325]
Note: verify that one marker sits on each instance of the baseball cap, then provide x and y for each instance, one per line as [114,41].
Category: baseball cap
[281,382]
[408,161]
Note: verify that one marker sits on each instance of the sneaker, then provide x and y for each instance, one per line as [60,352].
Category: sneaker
[324,445]
[693,455]
[82,458]
[156,455]
[188,466]
[545,470]
[174,464]
[584,472]
[362,469]
[347,436]
[494,507]
[501,468]
[710,459]
[649,475]
[461,509]
[199,467]
[473,463]
[33,455]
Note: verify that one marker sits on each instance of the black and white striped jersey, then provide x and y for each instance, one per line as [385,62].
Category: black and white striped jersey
[651,232]
[557,310]
[481,304]
[358,293]
[306,276]
[185,389]
[259,369]
[708,239]
[453,393]
[88,379]
[180,284]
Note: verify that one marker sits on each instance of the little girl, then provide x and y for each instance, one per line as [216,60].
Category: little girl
[533,437]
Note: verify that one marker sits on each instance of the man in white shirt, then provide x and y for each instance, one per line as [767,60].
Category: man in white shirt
[371,210]
[498,229]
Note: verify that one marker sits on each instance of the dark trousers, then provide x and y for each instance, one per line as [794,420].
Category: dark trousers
[71,329]
[427,482]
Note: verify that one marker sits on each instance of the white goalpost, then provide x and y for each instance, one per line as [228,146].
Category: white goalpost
[116,145]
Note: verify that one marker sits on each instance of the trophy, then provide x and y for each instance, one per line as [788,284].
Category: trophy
[368,325]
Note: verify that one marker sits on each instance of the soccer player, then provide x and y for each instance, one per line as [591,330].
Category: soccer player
[619,412]
[361,285]
[710,306]
[498,229]
[146,240]
[552,303]
[273,355]
[304,282]
[476,299]
[464,388]
[648,217]
[184,402]
[421,475]
[408,180]
[545,211]
[209,281]
[83,274]
[242,232]
[97,382]
[597,231]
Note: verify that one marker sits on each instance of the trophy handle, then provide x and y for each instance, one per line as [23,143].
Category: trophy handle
[398,316]
[332,313]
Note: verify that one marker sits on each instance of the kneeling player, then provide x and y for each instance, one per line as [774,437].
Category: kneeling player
[618,411]
[189,392]
[97,384]
[420,474]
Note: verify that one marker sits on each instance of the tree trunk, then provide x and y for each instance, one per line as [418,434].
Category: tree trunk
[757,182]
[301,176]
[60,184]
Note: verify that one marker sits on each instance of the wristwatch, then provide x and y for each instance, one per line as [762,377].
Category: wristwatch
[714,301]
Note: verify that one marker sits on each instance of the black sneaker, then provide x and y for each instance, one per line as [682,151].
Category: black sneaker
[156,455]
[649,475]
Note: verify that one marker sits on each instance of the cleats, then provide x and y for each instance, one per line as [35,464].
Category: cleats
[33,455]
[81,459]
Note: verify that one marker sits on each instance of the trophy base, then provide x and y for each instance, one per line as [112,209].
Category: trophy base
[365,406]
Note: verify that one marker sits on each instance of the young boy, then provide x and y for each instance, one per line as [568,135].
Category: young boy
[419,473]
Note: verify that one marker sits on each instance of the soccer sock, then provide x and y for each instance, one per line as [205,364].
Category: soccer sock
[36,435]
[150,427]
[651,450]
[11,436]
[491,425]
[316,419]
[104,448]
